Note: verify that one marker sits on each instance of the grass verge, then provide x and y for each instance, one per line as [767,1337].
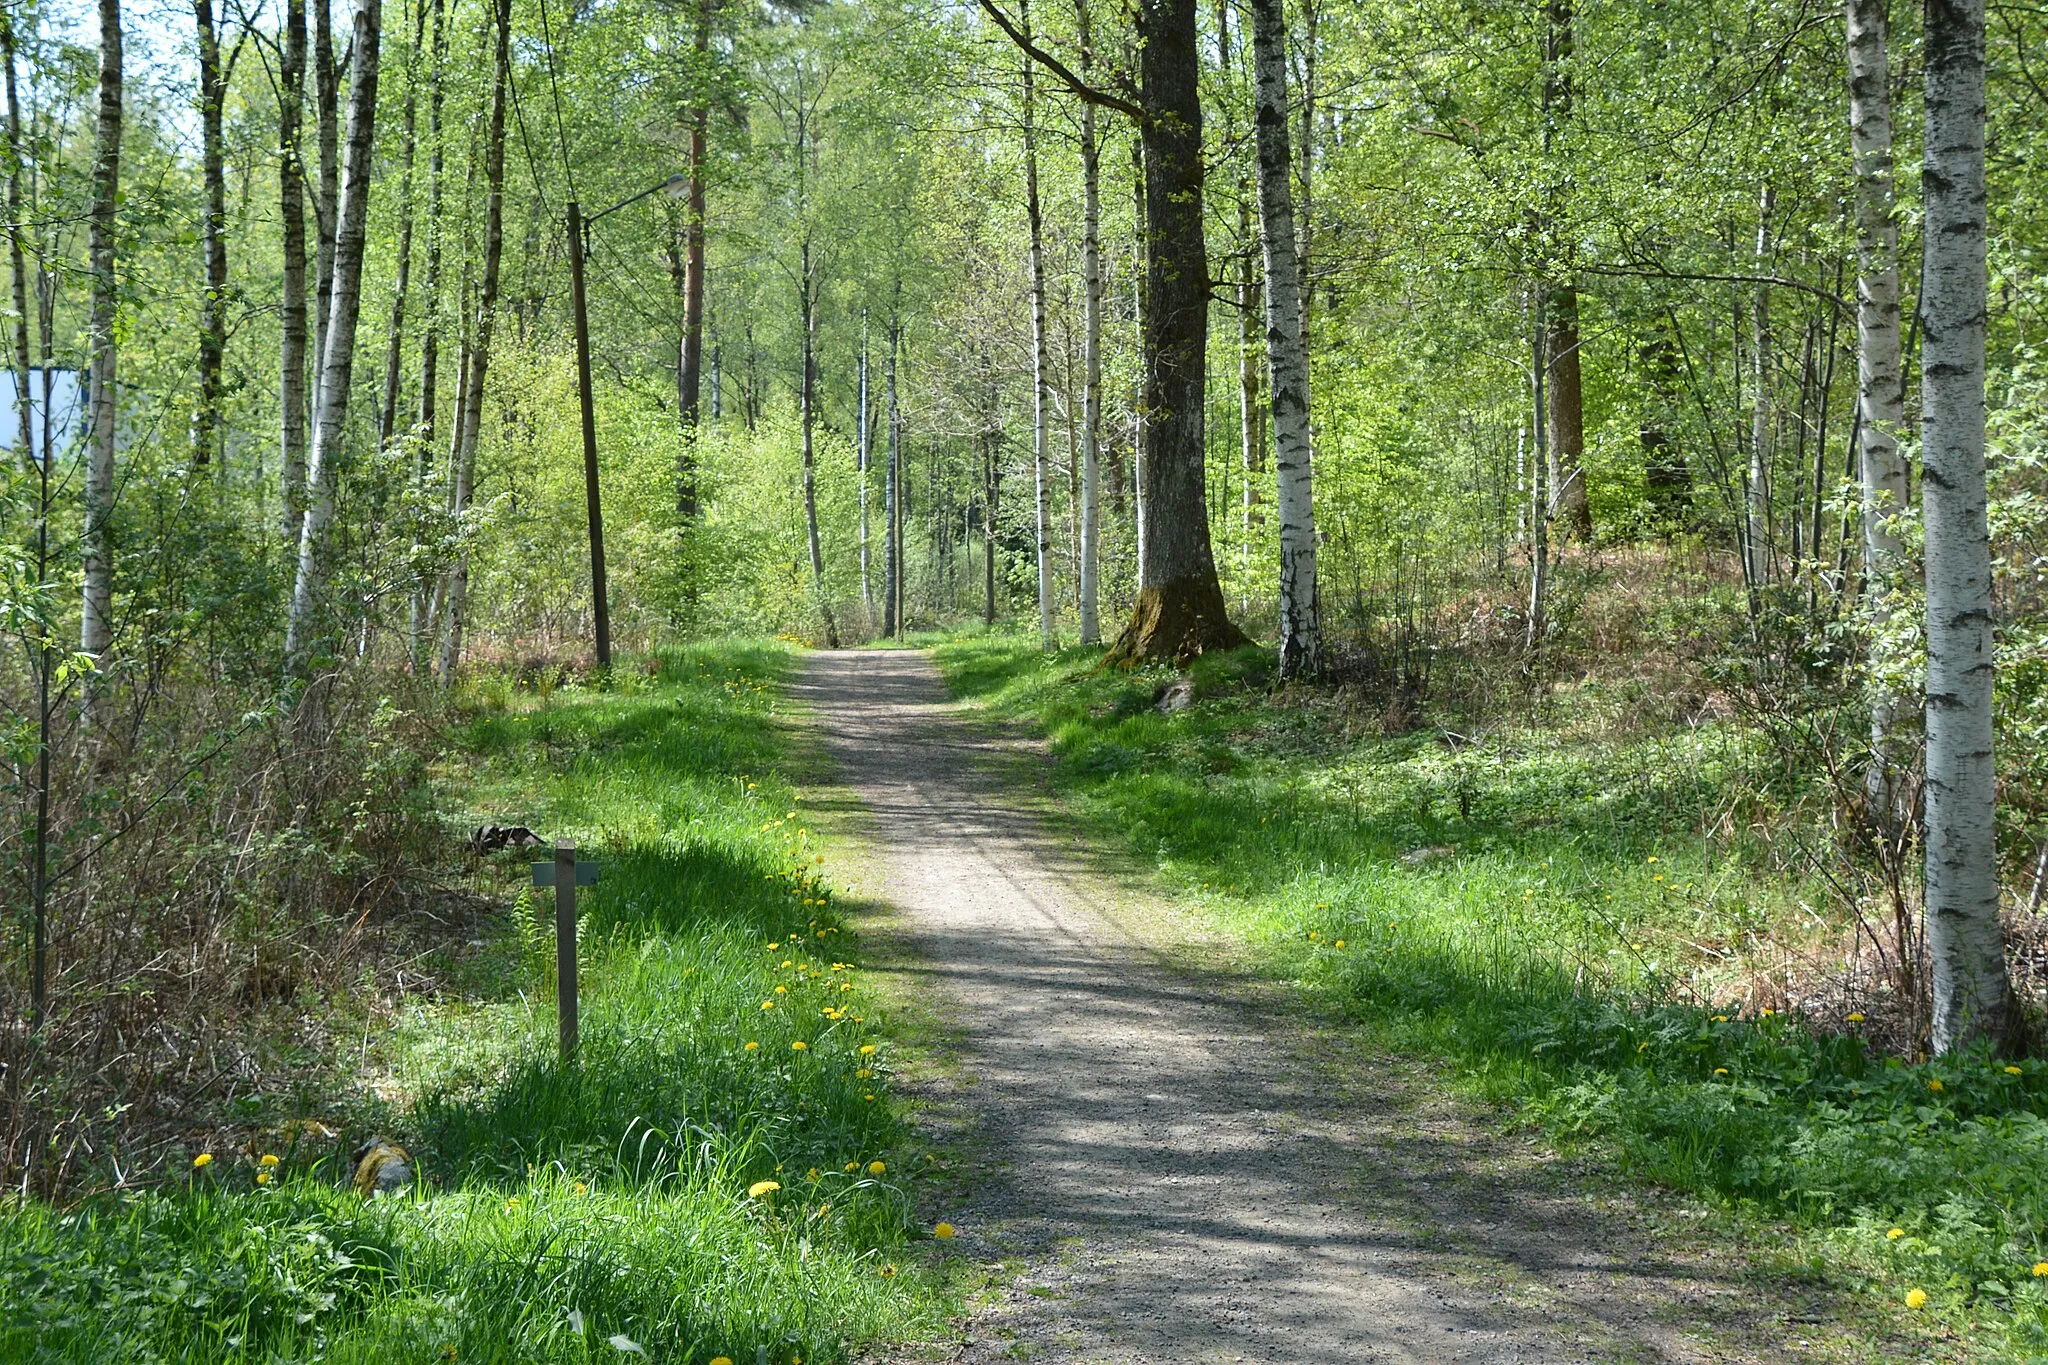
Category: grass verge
[721,1173]
[1540,913]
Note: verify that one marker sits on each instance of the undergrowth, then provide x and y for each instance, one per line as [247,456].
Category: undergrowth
[1540,910]
[721,1172]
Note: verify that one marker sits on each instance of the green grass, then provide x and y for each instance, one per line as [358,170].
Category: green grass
[561,1207]
[1538,913]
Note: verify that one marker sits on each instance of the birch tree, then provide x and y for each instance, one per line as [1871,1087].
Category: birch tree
[1089,571]
[337,360]
[1972,995]
[96,618]
[1040,399]
[1286,353]
[213,228]
[291,203]
[1880,384]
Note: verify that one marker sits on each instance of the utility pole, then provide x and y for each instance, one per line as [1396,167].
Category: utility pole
[599,603]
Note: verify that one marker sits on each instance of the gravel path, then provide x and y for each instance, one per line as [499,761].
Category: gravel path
[1177,1166]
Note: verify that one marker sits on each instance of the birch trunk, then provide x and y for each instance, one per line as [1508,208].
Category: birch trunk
[992,480]
[807,403]
[1179,611]
[394,355]
[1880,382]
[1759,533]
[690,367]
[96,619]
[326,125]
[476,356]
[892,488]
[864,434]
[1091,369]
[1039,398]
[1972,996]
[430,285]
[310,607]
[1565,410]
[1539,476]
[213,303]
[17,261]
[291,199]
[1301,644]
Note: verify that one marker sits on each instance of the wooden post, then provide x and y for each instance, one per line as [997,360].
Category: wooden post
[600,603]
[565,945]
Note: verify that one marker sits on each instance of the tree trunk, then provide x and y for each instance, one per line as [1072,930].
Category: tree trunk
[992,481]
[1301,644]
[892,500]
[690,369]
[17,261]
[291,198]
[96,620]
[1040,399]
[1972,996]
[394,355]
[309,609]
[1091,367]
[1668,482]
[213,304]
[807,404]
[1179,611]
[430,285]
[477,354]
[863,451]
[1540,505]
[1760,534]
[1880,382]
[1565,438]
[326,120]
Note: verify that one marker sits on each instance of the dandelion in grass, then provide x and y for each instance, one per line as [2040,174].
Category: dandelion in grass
[814,1173]
[1916,1298]
[869,1098]
[580,1188]
[888,1272]
[1936,1085]
[753,1046]
[202,1161]
[799,1046]
[2040,1269]
[270,1158]
[782,990]
[877,1167]
[943,1231]
[2014,1071]
[852,1166]
[263,1177]
[1720,1071]
[1338,944]
[863,1073]
[1856,1018]
[767,1004]
[1895,1234]
[1720,1018]
[761,1189]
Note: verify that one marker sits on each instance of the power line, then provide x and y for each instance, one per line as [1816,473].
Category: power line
[561,131]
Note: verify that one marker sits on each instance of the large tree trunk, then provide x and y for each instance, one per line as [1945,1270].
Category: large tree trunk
[1179,611]
[992,480]
[96,619]
[807,405]
[1301,644]
[327,132]
[1759,535]
[892,500]
[1880,384]
[1565,436]
[394,355]
[1040,399]
[291,199]
[308,625]
[1972,996]
[690,367]
[476,359]
[17,262]
[430,284]
[213,225]
[863,461]
[1091,353]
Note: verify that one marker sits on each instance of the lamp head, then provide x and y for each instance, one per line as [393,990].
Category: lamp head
[675,185]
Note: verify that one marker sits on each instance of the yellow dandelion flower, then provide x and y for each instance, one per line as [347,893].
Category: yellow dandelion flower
[863,1073]
[753,1046]
[1916,1298]
[782,990]
[813,1173]
[767,1004]
[869,1098]
[1338,944]
[580,1188]
[762,1188]
[1642,1047]
[1895,1234]
[1856,1018]
[269,1159]
[1720,1018]
[203,1160]
[263,1177]
[944,1232]
[1653,857]
[2040,1268]
[889,1271]
[721,1360]
[867,1049]
[877,1167]
[799,1046]
[1935,1085]
[2014,1071]
[852,1166]
[1720,1071]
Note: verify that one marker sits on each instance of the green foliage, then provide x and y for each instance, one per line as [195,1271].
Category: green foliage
[1540,912]
[614,1194]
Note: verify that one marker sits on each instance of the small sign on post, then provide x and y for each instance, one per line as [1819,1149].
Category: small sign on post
[565,874]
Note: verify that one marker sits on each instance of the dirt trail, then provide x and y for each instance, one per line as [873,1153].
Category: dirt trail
[1179,1168]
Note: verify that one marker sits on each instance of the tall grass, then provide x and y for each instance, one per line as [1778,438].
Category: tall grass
[719,1173]
[1541,913]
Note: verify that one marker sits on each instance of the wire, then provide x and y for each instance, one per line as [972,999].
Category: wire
[561,131]
[532,165]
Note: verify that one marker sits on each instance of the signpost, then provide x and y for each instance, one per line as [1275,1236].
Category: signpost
[565,874]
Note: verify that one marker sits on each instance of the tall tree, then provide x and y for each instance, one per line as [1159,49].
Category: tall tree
[690,365]
[1040,397]
[1286,354]
[213,228]
[1880,382]
[291,202]
[1566,436]
[394,350]
[892,495]
[1972,995]
[1759,535]
[476,354]
[327,133]
[96,619]
[1091,345]
[337,359]
[863,451]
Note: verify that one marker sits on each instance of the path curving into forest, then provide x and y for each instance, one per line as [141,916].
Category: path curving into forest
[1178,1167]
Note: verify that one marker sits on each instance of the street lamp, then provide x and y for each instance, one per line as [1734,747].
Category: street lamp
[579,246]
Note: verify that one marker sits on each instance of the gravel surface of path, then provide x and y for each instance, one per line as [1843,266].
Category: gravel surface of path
[1177,1164]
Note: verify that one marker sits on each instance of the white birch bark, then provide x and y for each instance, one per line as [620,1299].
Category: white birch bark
[1759,533]
[1881,391]
[337,360]
[863,451]
[1972,996]
[1091,369]
[96,618]
[1286,353]
[1039,397]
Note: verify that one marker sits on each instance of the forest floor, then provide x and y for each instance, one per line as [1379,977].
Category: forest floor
[1176,1158]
